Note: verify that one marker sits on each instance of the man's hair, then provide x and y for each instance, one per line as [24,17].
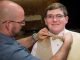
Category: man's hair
[56,6]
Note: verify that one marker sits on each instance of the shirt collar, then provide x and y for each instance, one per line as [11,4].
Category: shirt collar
[62,32]
[6,39]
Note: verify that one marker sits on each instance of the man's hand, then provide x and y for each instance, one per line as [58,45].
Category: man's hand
[43,34]
[68,39]
[64,50]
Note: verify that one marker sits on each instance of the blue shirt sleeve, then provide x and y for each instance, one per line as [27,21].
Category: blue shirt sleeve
[15,52]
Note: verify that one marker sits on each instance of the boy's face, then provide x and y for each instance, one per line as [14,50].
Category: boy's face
[55,20]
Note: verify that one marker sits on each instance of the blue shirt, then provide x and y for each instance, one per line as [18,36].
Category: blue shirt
[11,50]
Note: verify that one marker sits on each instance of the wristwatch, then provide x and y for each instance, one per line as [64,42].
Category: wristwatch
[34,37]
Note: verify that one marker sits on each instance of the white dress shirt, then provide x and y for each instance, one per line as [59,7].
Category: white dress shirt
[55,44]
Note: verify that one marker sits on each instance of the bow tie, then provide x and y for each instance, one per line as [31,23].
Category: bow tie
[56,37]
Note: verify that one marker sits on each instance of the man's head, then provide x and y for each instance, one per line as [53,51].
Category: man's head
[55,17]
[11,17]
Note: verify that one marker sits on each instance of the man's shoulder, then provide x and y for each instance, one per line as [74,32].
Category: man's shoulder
[75,34]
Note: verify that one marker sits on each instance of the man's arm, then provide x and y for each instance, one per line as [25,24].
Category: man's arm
[42,34]
[64,50]
[26,42]
[29,41]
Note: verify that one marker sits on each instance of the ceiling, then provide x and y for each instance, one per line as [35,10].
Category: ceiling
[34,7]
